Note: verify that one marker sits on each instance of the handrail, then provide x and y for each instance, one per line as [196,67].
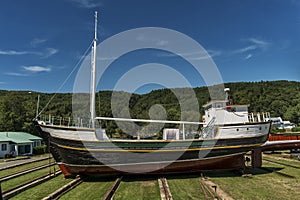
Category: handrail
[209,130]
[147,120]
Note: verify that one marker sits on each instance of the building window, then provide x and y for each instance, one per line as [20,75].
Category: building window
[27,148]
[3,147]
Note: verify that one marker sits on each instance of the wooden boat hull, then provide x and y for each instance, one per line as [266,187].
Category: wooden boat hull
[147,156]
[231,162]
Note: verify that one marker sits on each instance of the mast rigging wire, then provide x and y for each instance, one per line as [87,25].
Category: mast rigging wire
[65,81]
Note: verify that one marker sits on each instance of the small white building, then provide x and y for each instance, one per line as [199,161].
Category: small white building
[277,121]
[18,143]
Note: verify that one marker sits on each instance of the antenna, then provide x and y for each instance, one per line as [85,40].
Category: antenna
[37,107]
[96,21]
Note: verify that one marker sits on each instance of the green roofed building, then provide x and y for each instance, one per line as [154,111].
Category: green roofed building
[18,143]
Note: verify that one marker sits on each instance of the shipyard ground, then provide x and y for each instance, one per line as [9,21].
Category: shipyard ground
[278,178]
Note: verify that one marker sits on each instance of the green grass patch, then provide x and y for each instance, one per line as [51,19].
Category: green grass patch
[91,188]
[138,188]
[288,161]
[24,167]
[44,189]
[18,157]
[13,159]
[262,184]
[185,187]
[22,179]
[284,169]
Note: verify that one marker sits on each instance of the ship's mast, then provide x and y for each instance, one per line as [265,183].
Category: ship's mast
[93,77]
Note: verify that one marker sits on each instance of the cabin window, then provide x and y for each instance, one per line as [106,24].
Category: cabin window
[259,128]
[3,147]
[237,129]
[247,129]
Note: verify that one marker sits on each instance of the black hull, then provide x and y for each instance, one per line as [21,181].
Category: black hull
[232,162]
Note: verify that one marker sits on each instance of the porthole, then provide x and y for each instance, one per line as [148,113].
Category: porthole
[247,129]
[259,128]
[237,129]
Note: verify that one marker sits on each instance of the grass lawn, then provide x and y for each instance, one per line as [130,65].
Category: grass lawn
[262,185]
[18,157]
[22,179]
[91,188]
[185,187]
[11,159]
[283,160]
[23,167]
[43,189]
[138,188]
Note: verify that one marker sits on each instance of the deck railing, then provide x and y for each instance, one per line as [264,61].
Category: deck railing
[258,117]
[184,130]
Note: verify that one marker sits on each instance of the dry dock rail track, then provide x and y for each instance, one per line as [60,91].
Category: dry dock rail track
[11,176]
[22,187]
[110,193]
[206,189]
[12,164]
[164,189]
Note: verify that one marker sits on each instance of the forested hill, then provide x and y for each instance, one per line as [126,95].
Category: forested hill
[280,98]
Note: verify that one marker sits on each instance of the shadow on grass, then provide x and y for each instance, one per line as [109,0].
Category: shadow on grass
[153,177]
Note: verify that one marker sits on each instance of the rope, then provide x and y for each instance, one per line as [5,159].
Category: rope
[68,77]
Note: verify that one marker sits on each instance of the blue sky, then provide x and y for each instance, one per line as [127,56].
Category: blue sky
[249,40]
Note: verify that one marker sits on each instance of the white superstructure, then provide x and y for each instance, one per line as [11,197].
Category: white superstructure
[225,120]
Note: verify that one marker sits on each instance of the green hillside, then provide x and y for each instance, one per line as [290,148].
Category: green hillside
[280,98]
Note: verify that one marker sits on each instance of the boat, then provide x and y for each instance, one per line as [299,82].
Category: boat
[282,141]
[228,133]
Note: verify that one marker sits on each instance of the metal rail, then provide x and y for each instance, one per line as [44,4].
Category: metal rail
[110,193]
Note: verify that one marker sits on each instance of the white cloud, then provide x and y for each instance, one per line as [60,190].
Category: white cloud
[197,55]
[36,41]
[248,56]
[13,52]
[156,41]
[16,74]
[255,45]
[88,3]
[258,42]
[214,53]
[50,52]
[246,49]
[47,53]
[161,42]
[37,69]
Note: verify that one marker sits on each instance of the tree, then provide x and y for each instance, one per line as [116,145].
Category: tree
[293,114]
[12,113]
